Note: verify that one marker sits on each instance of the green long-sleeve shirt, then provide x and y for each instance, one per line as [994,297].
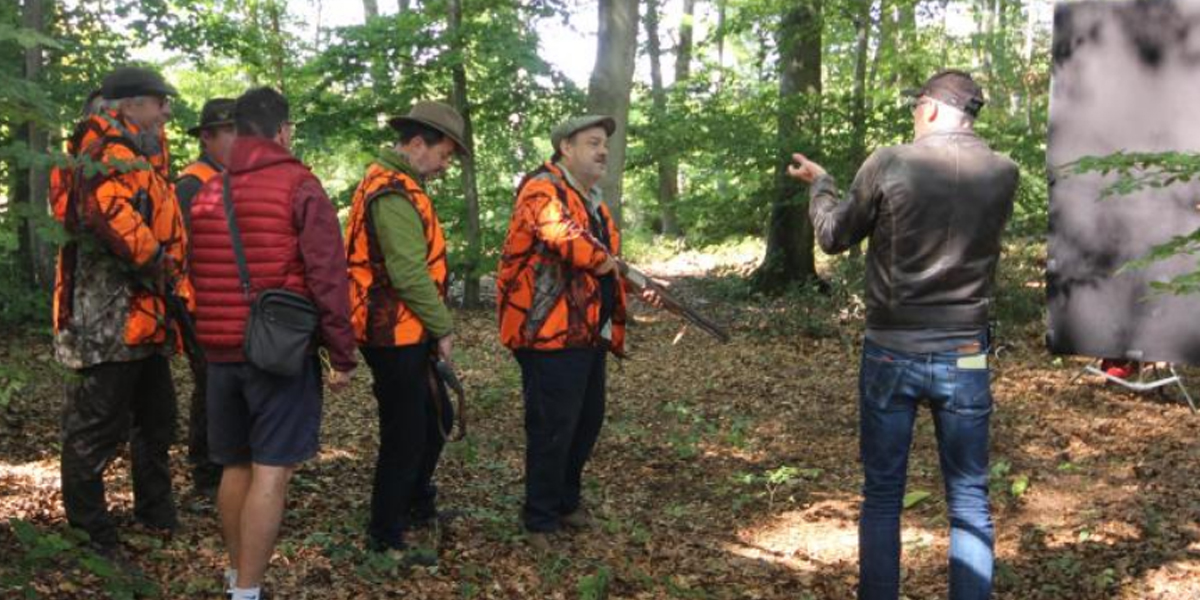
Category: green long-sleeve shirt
[401,237]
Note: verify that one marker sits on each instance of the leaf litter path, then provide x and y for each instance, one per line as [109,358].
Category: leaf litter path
[723,472]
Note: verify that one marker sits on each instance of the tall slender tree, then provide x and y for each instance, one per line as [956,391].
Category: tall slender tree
[458,44]
[33,183]
[789,254]
[610,86]
[668,165]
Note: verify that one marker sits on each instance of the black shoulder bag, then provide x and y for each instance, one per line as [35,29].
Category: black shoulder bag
[281,324]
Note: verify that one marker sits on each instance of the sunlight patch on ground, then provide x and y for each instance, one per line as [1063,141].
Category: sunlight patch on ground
[34,474]
[808,540]
[742,254]
[330,454]
[1176,579]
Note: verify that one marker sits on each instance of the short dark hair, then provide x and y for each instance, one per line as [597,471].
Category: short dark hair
[260,112]
[409,130]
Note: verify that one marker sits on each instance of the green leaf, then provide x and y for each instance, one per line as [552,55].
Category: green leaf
[1019,485]
[98,566]
[914,498]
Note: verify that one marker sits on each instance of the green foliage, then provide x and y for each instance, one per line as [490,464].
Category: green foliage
[595,586]
[721,122]
[68,557]
[1140,171]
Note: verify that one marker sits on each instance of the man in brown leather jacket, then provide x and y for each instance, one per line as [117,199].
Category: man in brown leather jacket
[934,211]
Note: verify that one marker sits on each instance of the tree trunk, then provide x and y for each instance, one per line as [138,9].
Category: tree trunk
[668,166]
[610,85]
[35,181]
[470,187]
[858,112]
[721,43]
[370,9]
[789,255]
[278,43]
[1027,67]
[886,46]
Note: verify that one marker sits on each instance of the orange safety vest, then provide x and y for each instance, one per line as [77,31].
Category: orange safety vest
[131,211]
[201,170]
[377,314]
[547,296]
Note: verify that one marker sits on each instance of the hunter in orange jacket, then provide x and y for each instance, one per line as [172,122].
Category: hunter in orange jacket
[379,316]
[396,254]
[562,310]
[548,294]
[127,247]
[128,241]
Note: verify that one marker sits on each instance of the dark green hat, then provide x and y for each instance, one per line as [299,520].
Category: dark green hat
[574,125]
[129,82]
[437,115]
[217,112]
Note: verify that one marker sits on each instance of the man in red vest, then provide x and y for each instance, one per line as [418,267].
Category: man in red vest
[397,258]
[216,133]
[262,425]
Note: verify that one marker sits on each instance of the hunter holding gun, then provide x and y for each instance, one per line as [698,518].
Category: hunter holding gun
[561,303]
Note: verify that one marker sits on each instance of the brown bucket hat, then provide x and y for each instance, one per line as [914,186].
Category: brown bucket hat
[439,116]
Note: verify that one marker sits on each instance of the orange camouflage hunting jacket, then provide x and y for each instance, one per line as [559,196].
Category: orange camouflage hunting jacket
[127,236]
[547,295]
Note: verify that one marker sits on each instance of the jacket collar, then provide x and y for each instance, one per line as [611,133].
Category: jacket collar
[940,136]
[251,153]
[392,160]
[591,199]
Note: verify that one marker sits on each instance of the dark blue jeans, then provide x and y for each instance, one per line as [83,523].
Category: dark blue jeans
[564,409]
[891,384]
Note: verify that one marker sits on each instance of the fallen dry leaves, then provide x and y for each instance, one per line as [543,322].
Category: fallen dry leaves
[724,472]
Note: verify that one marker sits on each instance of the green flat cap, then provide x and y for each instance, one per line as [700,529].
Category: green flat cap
[217,112]
[439,116]
[129,82]
[574,125]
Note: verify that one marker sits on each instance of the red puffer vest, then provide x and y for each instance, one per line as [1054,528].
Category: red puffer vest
[264,178]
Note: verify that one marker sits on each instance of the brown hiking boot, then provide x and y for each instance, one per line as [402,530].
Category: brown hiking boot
[578,519]
[539,541]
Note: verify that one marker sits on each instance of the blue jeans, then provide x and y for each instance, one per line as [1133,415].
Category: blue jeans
[891,384]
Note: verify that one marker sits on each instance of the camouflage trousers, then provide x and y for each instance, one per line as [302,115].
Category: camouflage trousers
[106,405]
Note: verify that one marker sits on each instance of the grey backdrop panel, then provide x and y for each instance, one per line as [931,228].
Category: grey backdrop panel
[1125,76]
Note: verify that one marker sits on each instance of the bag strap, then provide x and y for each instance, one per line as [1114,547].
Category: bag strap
[235,234]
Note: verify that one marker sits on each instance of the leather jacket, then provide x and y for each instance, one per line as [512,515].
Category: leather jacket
[934,211]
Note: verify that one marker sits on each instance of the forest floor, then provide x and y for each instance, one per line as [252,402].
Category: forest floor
[723,472]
